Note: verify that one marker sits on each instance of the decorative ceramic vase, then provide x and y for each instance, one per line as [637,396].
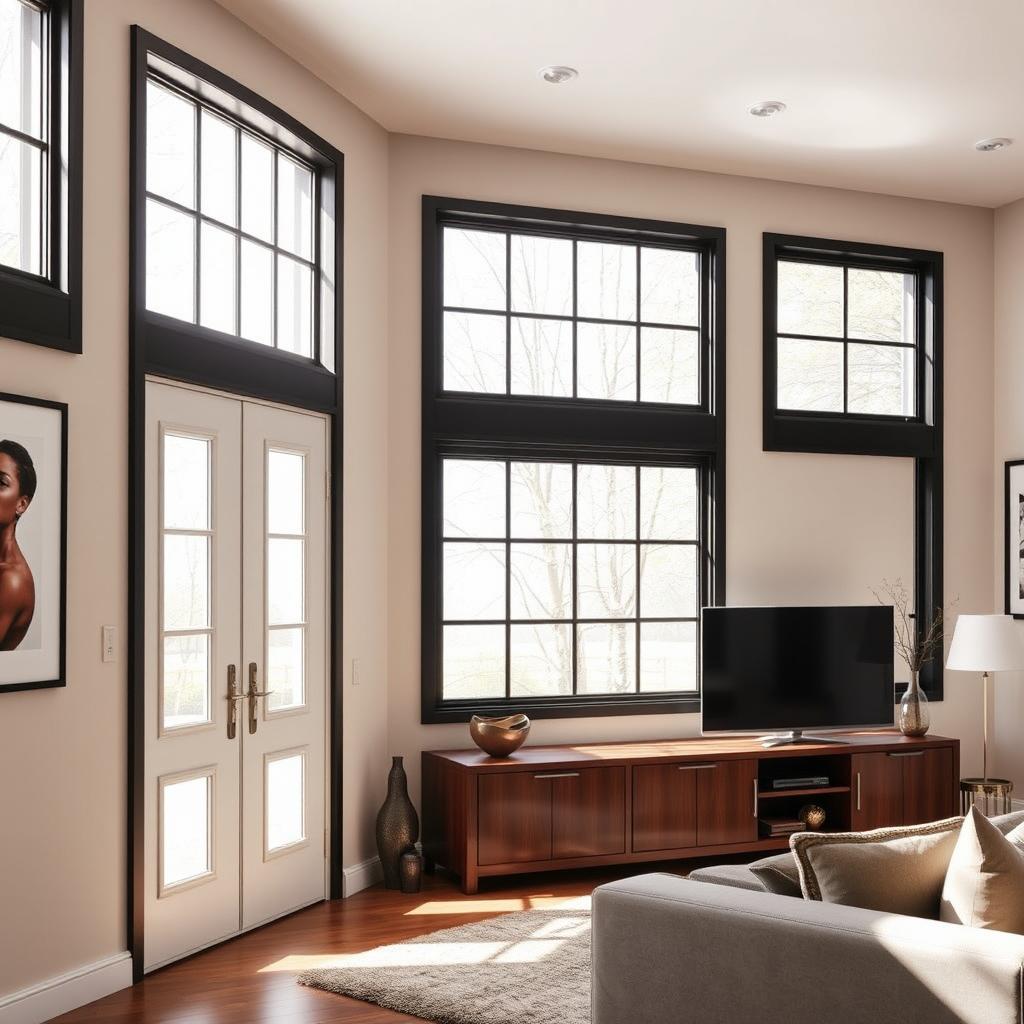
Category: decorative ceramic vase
[398,825]
[499,737]
[914,717]
[411,871]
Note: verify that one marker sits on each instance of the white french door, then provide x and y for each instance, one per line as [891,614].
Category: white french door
[236,666]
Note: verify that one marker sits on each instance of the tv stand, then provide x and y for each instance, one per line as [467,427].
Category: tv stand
[795,736]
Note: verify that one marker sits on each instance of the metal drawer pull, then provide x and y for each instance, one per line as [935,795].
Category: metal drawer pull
[694,767]
[756,797]
[906,753]
[858,791]
[559,775]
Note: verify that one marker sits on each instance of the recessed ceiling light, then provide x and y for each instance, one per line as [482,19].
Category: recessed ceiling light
[991,145]
[556,74]
[767,108]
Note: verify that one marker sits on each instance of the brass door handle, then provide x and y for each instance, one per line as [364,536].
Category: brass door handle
[254,695]
[233,698]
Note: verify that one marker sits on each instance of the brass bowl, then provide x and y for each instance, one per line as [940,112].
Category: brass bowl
[499,737]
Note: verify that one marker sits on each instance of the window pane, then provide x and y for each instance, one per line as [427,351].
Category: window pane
[606,581]
[668,503]
[186,483]
[218,282]
[669,366]
[881,380]
[541,357]
[257,188]
[474,662]
[186,851]
[218,172]
[474,269]
[285,660]
[294,307]
[294,207]
[286,800]
[668,580]
[881,305]
[541,660]
[474,581]
[285,492]
[285,574]
[21,67]
[21,206]
[186,698]
[257,293]
[186,582]
[170,262]
[606,361]
[474,498]
[541,500]
[474,353]
[170,145]
[606,501]
[810,299]
[668,656]
[606,657]
[541,581]
[541,275]
[606,280]
[810,375]
[669,286]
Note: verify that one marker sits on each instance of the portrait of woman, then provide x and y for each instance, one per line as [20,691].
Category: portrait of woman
[17,585]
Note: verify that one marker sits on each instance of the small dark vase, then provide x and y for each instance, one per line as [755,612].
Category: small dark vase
[412,871]
[398,826]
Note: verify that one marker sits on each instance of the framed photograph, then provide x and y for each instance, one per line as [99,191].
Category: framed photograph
[33,542]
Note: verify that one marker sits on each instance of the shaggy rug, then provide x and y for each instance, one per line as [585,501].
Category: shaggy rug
[527,967]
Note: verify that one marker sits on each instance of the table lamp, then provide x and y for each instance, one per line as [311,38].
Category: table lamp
[985,644]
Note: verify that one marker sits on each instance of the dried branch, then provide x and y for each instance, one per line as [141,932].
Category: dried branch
[916,643]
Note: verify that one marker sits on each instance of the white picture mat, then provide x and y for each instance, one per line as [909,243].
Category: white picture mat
[38,428]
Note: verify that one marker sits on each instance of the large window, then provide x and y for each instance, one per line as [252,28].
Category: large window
[40,172]
[573,459]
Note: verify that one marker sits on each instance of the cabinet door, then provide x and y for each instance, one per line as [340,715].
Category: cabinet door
[927,785]
[877,791]
[514,818]
[664,807]
[726,809]
[588,812]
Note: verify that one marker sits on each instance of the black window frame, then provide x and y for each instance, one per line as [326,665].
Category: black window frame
[509,426]
[46,309]
[918,437]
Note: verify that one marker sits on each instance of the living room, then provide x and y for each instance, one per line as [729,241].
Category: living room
[637,248]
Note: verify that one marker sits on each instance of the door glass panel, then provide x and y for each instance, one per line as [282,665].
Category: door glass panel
[285,801]
[185,848]
[285,557]
[285,492]
[186,581]
[285,668]
[186,681]
[186,483]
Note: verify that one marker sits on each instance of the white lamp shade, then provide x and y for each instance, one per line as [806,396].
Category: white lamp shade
[986,643]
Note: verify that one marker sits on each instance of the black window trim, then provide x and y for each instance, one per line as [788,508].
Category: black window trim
[46,309]
[513,427]
[920,437]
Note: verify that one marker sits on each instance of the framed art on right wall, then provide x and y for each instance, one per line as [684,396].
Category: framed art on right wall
[1014,539]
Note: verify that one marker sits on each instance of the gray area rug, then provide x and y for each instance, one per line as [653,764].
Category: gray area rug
[526,967]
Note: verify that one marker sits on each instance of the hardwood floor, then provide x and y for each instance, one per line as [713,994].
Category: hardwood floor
[252,978]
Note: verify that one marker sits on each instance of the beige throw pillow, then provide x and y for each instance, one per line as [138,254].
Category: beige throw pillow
[985,881]
[898,870]
[778,874]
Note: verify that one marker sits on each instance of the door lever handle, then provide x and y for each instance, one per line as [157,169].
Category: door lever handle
[254,695]
[233,698]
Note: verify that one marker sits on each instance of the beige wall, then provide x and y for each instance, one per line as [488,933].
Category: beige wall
[800,527]
[1008,711]
[62,752]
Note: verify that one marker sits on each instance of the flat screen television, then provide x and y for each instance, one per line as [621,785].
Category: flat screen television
[793,669]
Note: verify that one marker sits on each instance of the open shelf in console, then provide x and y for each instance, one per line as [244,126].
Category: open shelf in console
[833,797]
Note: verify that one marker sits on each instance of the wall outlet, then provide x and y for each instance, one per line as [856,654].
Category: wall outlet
[356,672]
[109,634]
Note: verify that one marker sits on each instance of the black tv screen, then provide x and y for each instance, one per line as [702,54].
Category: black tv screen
[796,668]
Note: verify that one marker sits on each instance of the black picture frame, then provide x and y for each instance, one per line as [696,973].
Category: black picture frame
[1008,604]
[61,679]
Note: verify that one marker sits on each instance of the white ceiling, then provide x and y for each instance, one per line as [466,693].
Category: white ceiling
[883,95]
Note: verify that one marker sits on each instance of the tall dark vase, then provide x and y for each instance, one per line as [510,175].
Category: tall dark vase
[398,825]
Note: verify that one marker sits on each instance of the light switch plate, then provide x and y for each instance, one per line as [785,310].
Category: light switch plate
[108,643]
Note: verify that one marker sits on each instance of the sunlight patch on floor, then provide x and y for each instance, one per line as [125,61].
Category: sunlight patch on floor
[499,906]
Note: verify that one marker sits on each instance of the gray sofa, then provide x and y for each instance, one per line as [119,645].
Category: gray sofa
[671,950]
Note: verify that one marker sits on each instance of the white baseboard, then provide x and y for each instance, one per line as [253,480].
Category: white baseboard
[356,878]
[68,991]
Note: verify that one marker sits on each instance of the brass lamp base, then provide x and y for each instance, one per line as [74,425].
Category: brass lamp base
[991,796]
